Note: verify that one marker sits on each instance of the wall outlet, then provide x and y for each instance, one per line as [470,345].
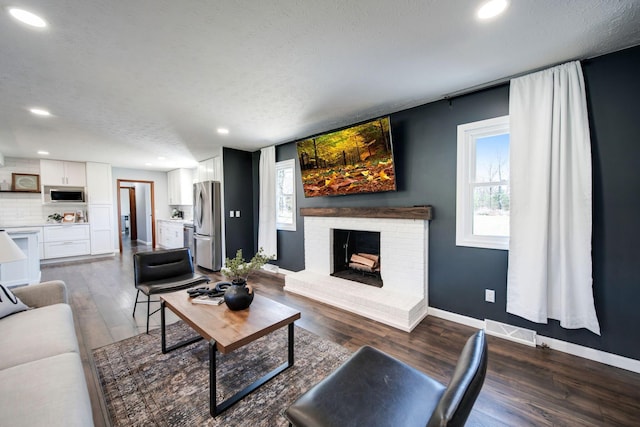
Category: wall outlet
[489,295]
[237,214]
[231,214]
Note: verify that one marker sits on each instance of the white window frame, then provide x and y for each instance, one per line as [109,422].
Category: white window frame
[289,225]
[467,135]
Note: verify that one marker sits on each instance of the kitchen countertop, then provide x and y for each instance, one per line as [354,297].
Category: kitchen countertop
[25,230]
[47,224]
[177,220]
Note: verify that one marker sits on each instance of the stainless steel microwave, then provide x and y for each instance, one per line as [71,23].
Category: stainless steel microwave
[66,195]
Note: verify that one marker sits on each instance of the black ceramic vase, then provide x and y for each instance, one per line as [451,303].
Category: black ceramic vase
[239,295]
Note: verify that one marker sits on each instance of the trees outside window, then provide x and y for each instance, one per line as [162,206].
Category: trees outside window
[483,191]
[286,195]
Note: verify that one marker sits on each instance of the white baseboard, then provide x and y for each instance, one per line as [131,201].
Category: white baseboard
[458,318]
[611,359]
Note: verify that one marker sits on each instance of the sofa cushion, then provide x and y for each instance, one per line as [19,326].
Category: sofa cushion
[47,392]
[9,303]
[35,334]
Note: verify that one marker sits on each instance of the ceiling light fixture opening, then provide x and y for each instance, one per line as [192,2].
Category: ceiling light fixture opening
[223,131]
[43,153]
[492,8]
[40,112]
[27,17]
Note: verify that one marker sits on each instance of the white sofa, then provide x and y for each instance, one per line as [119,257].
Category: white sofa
[42,380]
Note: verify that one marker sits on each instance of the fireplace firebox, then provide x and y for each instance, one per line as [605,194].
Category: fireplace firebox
[356,256]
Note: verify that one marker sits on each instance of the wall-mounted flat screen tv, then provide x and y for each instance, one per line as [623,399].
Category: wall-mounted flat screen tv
[358,159]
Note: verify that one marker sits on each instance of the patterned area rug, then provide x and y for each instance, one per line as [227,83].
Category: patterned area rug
[144,387]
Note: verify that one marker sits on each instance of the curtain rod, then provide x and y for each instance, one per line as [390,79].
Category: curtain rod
[500,81]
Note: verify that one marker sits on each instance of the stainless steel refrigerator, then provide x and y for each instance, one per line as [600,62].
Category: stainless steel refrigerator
[207,225]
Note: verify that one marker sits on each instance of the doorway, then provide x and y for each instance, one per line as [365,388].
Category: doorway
[136,213]
[128,214]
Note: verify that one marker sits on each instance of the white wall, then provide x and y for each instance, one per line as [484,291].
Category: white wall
[143,212]
[125,209]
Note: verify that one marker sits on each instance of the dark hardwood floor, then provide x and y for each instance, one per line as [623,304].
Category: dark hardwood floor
[524,386]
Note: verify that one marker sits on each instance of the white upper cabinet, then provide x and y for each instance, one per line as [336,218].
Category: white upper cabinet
[58,172]
[210,169]
[180,186]
[99,185]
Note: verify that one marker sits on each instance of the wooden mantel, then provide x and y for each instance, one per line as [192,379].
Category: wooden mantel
[414,212]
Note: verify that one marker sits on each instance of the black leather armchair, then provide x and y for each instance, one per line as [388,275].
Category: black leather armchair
[163,271]
[375,389]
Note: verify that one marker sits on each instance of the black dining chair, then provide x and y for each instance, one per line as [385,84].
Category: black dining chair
[163,271]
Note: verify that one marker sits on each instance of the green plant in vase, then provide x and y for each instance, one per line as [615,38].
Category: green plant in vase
[238,270]
[239,295]
[54,217]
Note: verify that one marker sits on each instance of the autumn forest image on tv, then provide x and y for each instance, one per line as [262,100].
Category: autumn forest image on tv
[358,159]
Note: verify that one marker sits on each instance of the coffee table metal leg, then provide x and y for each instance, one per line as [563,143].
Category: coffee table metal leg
[163,334]
[215,409]
[290,344]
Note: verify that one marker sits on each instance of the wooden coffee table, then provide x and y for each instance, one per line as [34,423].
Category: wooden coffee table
[228,330]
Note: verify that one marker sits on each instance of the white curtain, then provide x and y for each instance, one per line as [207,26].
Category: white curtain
[549,274]
[267,234]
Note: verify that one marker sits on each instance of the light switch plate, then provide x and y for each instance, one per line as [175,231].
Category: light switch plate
[489,295]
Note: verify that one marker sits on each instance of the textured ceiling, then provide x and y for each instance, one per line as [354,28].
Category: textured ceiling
[129,81]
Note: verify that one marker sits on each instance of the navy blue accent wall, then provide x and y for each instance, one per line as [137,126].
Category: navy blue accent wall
[291,243]
[613,88]
[425,140]
[238,177]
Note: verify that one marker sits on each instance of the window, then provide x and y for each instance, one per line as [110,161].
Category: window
[483,192]
[286,195]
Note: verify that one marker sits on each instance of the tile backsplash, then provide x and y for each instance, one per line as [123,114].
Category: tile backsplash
[21,208]
[16,165]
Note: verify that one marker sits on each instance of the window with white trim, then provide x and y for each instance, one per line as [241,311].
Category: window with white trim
[286,195]
[483,192]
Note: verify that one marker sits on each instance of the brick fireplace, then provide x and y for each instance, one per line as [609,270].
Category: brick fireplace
[404,243]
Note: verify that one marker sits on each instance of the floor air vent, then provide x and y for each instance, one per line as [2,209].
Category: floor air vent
[512,333]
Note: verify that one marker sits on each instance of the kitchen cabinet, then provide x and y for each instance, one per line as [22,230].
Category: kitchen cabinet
[101,229]
[66,240]
[100,207]
[26,271]
[210,169]
[180,186]
[58,172]
[170,234]
[99,183]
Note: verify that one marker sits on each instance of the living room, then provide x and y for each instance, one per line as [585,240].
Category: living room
[425,150]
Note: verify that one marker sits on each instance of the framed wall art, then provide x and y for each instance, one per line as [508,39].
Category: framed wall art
[25,182]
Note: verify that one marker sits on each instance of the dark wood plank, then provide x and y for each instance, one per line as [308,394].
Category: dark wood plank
[524,386]
[414,212]
[231,329]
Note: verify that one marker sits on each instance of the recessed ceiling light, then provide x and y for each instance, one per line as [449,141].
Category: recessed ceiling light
[161,158]
[39,111]
[148,164]
[492,8]
[223,131]
[44,153]
[27,17]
